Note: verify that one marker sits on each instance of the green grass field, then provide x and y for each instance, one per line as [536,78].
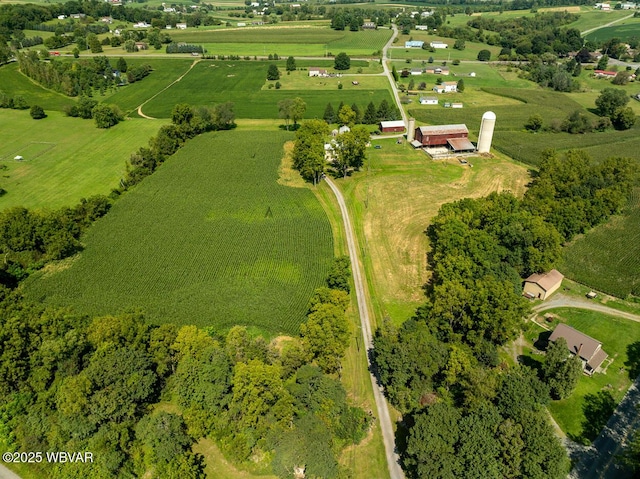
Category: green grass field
[65,159]
[616,245]
[615,334]
[469,53]
[285,40]
[242,83]
[209,239]
[13,83]
[624,30]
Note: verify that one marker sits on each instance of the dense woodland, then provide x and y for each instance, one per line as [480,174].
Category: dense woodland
[441,368]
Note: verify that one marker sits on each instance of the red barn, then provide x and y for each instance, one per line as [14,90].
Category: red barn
[396,126]
[441,134]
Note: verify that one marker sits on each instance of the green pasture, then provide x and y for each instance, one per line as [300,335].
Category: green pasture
[616,245]
[165,71]
[209,239]
[593,18]
[65,159]
[242,82]
[13,83]
[615,334]
[310,40]
[624,30]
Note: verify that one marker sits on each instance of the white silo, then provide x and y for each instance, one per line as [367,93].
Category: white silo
[486,132]
[411,130]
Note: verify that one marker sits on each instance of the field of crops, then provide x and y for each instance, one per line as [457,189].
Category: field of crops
[65,159]
[209,239]
[212,82]
[608,257]
[297,40]
[624,30]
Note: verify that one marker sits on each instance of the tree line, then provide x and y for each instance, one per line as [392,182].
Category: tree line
[70,382]
[464,410]
[371,115]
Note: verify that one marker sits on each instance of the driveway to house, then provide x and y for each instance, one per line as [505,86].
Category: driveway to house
[395,471]
[562,301]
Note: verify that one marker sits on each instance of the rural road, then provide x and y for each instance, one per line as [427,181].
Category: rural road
[7,473]
[562,301]
[388,437]
[392,80]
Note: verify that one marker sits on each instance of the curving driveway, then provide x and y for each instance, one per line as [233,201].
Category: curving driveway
[562,301]
[395,472]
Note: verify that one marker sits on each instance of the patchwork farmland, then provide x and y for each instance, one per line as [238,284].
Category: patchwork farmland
[210,240]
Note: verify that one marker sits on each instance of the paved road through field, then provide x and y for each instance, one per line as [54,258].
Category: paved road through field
[386,427]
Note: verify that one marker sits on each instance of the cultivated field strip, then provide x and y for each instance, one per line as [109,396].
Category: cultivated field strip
[209,239]
[608,258]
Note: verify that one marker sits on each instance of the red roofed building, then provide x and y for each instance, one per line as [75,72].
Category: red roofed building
[604,74]
[441,134]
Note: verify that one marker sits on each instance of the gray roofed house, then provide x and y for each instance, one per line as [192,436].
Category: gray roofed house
[587,348]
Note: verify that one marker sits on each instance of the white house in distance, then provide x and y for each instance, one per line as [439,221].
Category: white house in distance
[446,87]
[181,26]
[422,27]
[428,100]
[585,347]
[438,44]
[542,285]
[317,72]
[413,44]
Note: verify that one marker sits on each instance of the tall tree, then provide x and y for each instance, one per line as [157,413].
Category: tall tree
[329,114]
[291,64]
[346,116]
[273,73]
[561,370]
[370,114]
[342,61]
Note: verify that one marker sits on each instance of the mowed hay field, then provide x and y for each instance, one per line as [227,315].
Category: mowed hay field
[64,159]
[242,82]
[607,258]
[13,83]
[625,31]
[393,203]
[209,239]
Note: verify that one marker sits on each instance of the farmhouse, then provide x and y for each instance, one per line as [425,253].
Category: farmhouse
[446,87]
[585,347]
[542,285]
[396,126]
[438,44]
[369,26]
[141,25]
[604,74]
[181,26]
[628,6]
[422,27]
[437,70]
[413,44]
[416,71]
[317,72]
[428,100]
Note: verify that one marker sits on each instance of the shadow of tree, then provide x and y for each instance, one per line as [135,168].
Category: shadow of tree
[633,360]
[597,408]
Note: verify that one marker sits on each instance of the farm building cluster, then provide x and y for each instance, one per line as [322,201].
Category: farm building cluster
[442,141]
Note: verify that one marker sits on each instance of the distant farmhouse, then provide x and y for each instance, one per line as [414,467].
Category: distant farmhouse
[543,285]
[317,72]
[585,347]
[438,44]
[446,87]
[369,26]
[413,44]
[605,7]
[604,74]
[437,70]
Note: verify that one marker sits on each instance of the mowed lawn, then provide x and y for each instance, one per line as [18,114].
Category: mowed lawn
[615,334]
[64,159]
[243,83]
[13,83]
[209,239]
[616,244]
